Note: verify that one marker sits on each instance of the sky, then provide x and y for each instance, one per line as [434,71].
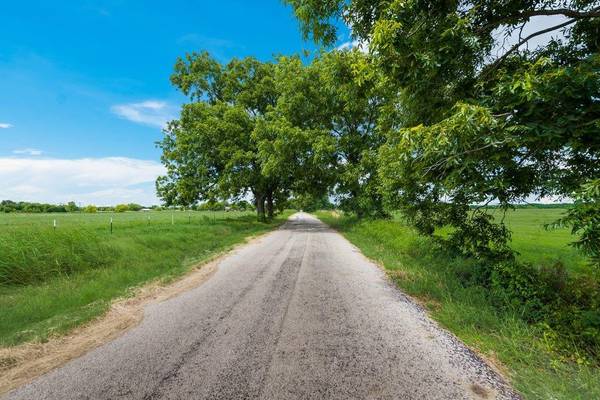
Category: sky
[84,87]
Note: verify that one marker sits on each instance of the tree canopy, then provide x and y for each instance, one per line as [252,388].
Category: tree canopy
[480,121]
[275,130]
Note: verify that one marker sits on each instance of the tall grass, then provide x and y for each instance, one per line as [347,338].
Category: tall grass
[535,359]
[32,256]
[52,280]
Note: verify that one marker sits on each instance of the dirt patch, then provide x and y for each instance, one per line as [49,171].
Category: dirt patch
[480,391]
[335,214]
[21,364]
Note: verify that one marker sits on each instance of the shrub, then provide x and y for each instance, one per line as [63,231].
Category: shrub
[121,208]
[91,209]
[550,297]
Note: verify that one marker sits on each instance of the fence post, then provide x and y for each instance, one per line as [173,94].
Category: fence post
[111,224]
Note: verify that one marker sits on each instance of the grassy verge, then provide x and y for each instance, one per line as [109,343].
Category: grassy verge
[534,364]
[52,281]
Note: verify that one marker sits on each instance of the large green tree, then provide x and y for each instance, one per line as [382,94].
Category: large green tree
[210,152]
[325,127]
[356,96]
[482,122]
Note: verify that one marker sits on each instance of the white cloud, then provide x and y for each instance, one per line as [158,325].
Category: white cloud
[5,126]
[204,41]
[363,46]
[101,181]
[28,152]
[150,112]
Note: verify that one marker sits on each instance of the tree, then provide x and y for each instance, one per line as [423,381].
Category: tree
[323,131]
[71,207]
[121,208]
[134,207]
[211,153]
[90,209]
[356,96]
[476,127]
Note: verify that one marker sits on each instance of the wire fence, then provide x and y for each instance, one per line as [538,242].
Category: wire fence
[112,221]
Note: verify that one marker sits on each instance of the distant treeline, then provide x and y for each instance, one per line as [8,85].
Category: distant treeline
[534,205]
[9,206]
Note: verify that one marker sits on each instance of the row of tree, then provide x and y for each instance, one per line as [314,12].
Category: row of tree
[429,121]
[9,206]
[275,130]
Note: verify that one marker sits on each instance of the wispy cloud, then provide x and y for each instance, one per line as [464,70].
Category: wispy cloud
[150,112]
[221,49]
[5,125]
[351,44]
[102,181]
[28,152]
[204,41]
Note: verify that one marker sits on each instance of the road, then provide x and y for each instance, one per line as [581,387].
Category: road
[298,314]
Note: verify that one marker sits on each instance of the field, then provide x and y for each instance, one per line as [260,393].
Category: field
[541,246]
[526,352]
[53,279]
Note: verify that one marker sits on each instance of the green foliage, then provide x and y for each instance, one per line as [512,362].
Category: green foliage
[134,207]
[356,96]
[71,207]
[568,305]
[90,209]
[8,206]
[121,208]
[306,202]
[211,152]
[474,127]
[584,220]
[272,129]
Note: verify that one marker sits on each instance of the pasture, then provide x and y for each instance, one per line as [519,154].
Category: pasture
[53,279]
[538,245]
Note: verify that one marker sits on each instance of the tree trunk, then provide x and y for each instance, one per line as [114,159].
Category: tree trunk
[270,211]
[260,207]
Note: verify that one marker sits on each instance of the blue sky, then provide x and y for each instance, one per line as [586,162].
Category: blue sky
[84,87]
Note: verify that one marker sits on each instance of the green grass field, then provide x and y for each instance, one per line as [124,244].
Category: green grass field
[52,280]
[535,366]
[540,246]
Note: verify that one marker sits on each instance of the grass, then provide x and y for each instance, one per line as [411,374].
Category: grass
[53,280]
[533,363]
[540,246]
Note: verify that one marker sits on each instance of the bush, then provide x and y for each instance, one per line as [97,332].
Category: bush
[91,209]
[550,297]
[121,208]
[134,207]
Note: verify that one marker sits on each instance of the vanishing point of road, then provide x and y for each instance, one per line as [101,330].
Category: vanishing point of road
[298,314]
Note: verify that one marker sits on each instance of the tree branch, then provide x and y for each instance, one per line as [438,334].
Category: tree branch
[595,12]
[574,14]
[521,42]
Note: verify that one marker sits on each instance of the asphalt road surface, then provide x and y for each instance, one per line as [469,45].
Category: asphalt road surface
[299,314]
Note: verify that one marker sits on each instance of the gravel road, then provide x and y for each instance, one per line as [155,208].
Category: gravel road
[298,314]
